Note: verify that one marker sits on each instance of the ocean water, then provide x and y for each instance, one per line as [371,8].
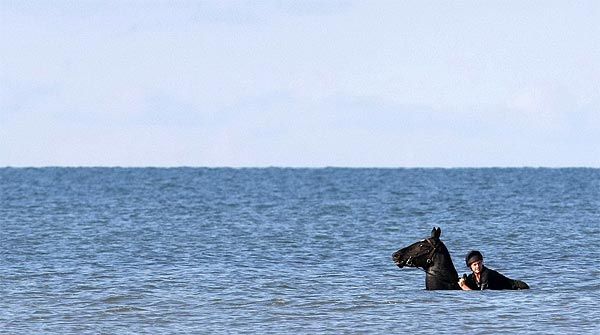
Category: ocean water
[292,251]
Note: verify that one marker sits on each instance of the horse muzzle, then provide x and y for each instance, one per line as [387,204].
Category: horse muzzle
[399,262]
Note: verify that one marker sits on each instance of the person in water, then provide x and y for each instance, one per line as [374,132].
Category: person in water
[483,278]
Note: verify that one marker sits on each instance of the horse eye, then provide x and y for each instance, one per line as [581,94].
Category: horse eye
[420,246]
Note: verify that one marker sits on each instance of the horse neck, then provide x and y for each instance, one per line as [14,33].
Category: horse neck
[443,265]
[441,275]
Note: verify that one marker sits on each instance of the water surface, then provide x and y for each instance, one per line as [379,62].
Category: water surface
[195,250]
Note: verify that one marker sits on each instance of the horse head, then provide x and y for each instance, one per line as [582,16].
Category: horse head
[421,253]
[432,256]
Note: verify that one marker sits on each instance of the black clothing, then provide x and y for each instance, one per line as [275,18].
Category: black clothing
[493,280]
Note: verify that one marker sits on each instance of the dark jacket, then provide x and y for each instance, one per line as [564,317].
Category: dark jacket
[494,280]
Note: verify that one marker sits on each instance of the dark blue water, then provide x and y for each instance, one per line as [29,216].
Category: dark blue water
[290,251]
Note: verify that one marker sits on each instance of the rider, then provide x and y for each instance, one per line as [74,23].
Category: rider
[483,278]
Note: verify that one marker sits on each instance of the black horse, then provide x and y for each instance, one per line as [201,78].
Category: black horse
[432,256]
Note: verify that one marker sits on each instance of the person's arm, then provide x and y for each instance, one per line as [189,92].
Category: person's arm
[519,285]
[499,281]
[511,284]
[462,282]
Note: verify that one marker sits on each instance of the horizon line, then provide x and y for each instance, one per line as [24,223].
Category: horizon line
[289,167]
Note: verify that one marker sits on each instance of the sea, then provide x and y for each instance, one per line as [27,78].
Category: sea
[293,250]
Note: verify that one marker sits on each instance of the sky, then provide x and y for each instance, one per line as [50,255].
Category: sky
[300,83]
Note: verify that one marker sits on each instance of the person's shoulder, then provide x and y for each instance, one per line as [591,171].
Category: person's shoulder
[494,272]
[496,275]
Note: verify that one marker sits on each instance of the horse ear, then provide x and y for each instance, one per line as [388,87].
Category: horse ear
[436,233]
[433,232]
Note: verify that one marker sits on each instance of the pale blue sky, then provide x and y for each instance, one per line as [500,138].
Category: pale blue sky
[300,83]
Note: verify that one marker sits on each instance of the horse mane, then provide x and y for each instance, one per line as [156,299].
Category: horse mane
[449,263]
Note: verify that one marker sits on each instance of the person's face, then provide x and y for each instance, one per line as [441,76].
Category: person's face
[476,267]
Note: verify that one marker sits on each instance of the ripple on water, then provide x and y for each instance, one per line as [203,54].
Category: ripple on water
[284,251]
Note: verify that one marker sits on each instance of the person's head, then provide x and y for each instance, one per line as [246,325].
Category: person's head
[474,260]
